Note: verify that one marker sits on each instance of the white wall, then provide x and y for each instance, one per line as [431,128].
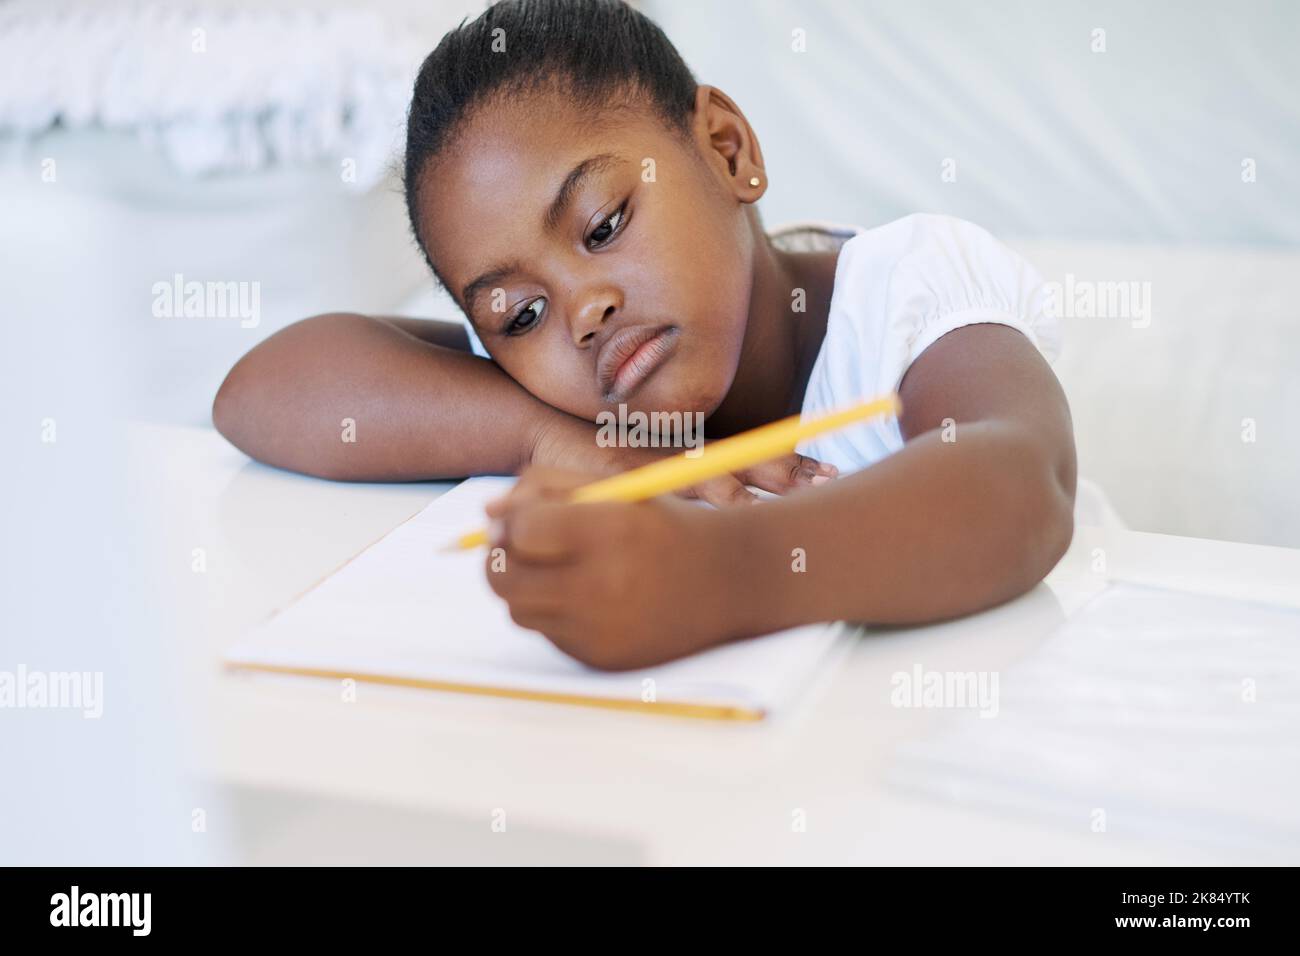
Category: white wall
[1142,142]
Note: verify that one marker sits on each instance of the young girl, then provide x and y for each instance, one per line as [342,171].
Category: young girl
[592,210]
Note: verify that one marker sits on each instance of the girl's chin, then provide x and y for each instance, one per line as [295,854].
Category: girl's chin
[674,389]
[664,393]
[684,400]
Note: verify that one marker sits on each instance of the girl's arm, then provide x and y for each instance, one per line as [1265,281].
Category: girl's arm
[941,528]
[423,407]
[418,405]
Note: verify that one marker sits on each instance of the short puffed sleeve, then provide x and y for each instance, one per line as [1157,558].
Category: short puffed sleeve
[898,289]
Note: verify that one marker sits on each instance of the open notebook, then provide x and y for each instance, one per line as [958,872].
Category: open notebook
[402,612]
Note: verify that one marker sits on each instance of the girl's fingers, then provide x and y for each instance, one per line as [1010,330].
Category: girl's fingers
[539,532]
[542,588]
[779,476]
[721,492]
[787,473]
[533,620]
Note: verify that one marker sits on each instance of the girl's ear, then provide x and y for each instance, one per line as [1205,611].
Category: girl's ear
[729,144]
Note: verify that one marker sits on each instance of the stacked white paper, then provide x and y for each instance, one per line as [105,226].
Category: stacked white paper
[1175,715]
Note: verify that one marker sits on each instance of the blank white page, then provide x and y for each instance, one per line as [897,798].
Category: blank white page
[403,609]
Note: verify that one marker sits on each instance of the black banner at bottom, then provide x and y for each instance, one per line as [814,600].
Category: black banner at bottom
[1166,906]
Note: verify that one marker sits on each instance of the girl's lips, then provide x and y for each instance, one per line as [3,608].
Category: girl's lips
[630,356]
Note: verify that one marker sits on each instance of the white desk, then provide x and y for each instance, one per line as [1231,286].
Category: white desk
[408,776]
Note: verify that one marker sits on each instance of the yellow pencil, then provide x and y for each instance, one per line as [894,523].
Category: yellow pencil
[718,458]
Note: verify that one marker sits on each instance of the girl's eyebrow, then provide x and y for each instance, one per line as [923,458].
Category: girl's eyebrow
[488,279]
[563,196]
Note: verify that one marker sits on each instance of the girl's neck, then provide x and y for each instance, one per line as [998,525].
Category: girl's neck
[781,344]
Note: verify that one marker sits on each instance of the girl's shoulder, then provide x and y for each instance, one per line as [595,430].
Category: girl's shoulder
[926,271]
[908,233]
[946,254]
[900,287]
[956,262]
[923,271]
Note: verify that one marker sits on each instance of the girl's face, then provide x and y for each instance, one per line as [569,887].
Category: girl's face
[602,260]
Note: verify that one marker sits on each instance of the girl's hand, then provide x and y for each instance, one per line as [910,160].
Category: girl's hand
[779,476]
[568,444]
[617,586]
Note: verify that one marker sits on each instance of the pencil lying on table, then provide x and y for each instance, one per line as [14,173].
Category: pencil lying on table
[718,458]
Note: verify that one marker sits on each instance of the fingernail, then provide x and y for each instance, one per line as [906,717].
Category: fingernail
[820,479]
[496,531]
[827,469]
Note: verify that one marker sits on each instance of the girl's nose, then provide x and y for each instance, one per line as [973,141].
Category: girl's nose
[593,311]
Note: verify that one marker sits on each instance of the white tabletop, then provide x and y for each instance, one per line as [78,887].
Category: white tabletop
[409,775]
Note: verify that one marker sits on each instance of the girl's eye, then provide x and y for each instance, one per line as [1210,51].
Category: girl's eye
[525,320]
[608,228]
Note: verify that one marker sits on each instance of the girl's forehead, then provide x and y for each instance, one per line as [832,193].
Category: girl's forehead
[536,123]
[506,167]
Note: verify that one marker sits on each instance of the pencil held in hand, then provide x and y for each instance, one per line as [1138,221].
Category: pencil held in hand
[719,458]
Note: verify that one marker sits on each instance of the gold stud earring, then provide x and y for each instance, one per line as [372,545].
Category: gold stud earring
[753,180]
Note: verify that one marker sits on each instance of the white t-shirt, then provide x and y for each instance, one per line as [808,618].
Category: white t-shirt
[898,288]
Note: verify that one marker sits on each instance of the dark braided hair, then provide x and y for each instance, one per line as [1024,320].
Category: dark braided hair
[598,52]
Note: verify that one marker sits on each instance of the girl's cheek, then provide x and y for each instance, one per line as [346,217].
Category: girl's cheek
[565,386]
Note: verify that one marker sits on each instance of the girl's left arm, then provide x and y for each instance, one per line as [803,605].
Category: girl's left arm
[963,517]
[939,529]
